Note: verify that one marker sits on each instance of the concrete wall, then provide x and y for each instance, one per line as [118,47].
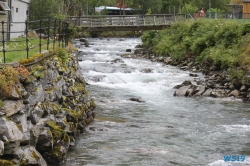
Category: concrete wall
[19,10]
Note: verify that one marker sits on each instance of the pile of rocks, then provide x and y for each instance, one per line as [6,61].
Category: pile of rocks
[216,82]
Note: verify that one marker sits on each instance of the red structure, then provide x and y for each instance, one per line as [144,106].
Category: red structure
[121,4]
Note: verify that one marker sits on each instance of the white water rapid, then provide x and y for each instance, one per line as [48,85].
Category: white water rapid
[163,130]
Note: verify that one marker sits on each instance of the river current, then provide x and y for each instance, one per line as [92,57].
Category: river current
[162,130]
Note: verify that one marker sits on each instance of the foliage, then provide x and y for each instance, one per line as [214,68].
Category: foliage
[222,43]
[48,8]
[236,73]
[146,38]
[63,54]
[104,12]
[9,76]
[189,8]
[62,9]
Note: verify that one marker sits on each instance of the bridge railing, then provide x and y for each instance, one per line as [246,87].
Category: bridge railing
[126,20]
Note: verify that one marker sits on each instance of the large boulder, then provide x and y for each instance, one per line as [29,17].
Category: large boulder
[182,91]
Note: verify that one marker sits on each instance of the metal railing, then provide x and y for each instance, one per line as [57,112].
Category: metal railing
[47,33]
[231,15]
[126,20]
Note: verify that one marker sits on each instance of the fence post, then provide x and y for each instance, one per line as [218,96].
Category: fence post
[60,35]
[54,39]
[66,33]
[4,58]
[48,35]
[27,39]
[40,37]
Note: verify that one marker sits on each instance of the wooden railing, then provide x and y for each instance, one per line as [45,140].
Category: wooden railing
[125,20]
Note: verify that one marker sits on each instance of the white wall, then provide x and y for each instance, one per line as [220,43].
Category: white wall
[18,11]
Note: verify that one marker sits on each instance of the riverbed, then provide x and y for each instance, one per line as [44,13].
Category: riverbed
[160,129]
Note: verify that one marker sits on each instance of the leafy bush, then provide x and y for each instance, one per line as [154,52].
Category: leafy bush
[63,54]
[148,37]
[223,43]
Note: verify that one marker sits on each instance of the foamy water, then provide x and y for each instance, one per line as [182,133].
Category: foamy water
[160,130]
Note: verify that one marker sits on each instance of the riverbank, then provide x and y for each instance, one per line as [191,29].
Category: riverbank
[215,83]
[217,48]
[44,111]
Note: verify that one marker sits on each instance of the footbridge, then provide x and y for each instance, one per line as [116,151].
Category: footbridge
[126,22]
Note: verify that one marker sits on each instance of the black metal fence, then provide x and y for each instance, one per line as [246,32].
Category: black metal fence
[43,34]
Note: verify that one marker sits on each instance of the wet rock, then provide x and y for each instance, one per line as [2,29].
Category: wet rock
[182,91]
[138,51]
[200,90]
[185,83]
[137,100]
[219,93]
[139,46]
[243,89]
[126,56]
[184,67]
[191,90]
[193,75]
[117,61]
[235,93]
[128,50]
[147,70]
[207,93]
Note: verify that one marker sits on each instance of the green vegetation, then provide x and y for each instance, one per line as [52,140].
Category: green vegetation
[8,77]
[7,163]
[58,9]
[16,49]
[221,43]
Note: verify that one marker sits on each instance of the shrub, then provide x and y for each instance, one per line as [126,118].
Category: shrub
[10,76]
[63,54]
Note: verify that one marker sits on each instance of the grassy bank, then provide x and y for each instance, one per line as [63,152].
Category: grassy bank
[224,44]
[17,49]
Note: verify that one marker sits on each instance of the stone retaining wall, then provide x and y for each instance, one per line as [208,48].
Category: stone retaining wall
[42,117]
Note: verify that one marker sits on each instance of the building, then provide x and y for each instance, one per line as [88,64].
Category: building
[4,18]
[19,13]
[14,13]
[246,8]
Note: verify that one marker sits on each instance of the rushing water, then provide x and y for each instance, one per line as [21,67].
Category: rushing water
[162,130]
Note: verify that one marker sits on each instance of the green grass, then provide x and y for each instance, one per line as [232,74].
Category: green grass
[16,49]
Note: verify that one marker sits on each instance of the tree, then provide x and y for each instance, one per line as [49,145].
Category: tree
[41,9]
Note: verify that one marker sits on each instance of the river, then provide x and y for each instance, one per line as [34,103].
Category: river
[162,130]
